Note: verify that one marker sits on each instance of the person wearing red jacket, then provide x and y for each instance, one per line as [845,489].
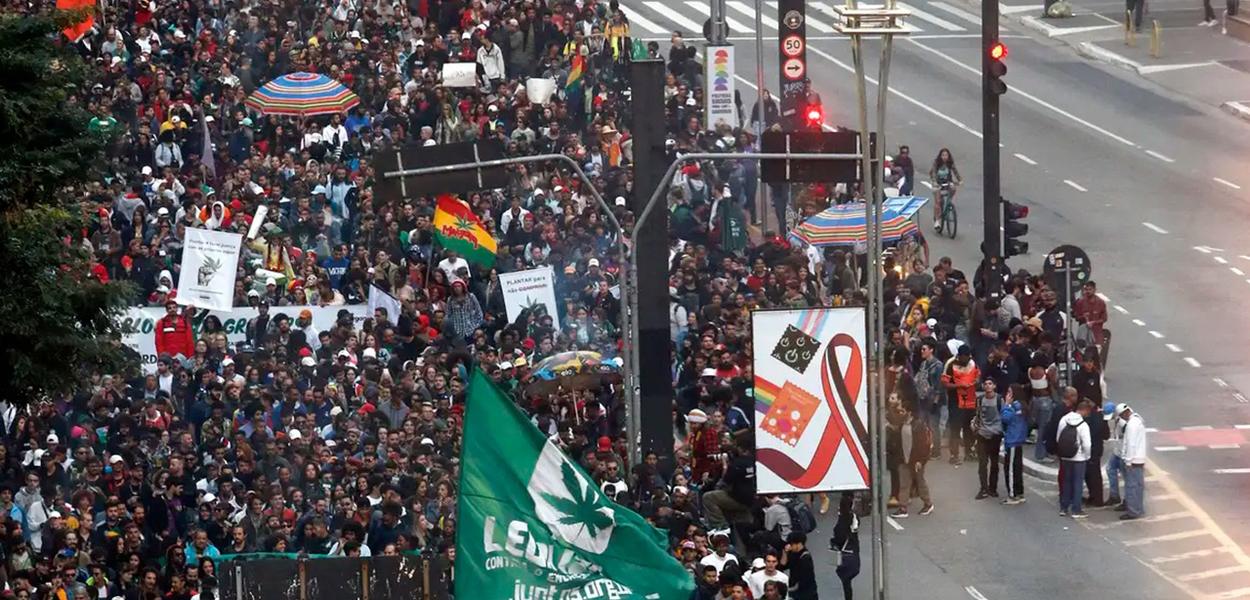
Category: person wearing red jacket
[174,334]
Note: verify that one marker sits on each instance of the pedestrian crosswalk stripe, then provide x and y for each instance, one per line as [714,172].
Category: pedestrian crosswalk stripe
[749,11]
[958,12]
[641,21]
[1171,537]
[934,19]
[1212,573]
[676,17]
[1159,560]
[734,24]
[813,23]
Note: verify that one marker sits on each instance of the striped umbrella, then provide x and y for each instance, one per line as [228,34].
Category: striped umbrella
[302,95]
[844,225]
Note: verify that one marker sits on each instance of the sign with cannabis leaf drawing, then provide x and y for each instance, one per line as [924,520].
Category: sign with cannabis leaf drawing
[533,290]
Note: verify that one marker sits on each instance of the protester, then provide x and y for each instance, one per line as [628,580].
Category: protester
[1133,458]
[1073,444]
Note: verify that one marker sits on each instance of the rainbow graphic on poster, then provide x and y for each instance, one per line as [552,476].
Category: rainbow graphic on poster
[720,106]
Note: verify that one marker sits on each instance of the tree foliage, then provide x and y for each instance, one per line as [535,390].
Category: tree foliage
[60,324]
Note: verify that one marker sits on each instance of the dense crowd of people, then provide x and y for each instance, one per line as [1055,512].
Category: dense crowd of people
[344,441]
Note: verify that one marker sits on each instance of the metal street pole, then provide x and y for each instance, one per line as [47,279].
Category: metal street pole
[857,23]
[761,190]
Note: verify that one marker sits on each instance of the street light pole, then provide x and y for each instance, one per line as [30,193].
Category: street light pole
[761,190]
[857,23]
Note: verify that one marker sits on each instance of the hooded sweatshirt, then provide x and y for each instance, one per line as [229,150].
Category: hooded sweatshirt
[1083,441]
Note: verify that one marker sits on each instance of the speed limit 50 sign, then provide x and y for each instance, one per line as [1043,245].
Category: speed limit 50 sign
[792,46]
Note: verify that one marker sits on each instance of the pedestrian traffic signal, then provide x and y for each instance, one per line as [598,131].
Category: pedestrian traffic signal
[1013,229]
[814,117]
[996,67]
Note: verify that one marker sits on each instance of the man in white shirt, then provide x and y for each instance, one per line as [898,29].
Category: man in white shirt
[334,134]
[1133,461]
[765,570]
[720,556]
[490,56]
[451,264]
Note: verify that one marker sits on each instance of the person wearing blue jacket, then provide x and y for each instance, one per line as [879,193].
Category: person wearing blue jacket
[1015,432]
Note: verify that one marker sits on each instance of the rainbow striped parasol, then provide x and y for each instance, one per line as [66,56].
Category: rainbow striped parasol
[844,224]
[302,95]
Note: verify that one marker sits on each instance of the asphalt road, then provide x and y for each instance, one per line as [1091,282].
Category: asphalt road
[1155,188]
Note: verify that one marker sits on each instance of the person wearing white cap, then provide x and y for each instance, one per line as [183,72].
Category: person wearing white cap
[1133,459]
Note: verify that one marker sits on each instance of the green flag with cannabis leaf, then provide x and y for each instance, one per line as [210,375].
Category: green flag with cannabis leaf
[532,524]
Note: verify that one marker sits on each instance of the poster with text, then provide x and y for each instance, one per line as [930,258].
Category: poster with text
[210,261]
[719,97]
[811,400]
[534,289]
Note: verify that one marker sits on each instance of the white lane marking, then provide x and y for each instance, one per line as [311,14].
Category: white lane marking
[1026,159]
[1171,537]
[1221,260]
[1011,10]
[1237,272]
[734,24]
[976,595]
[1242,426]
[1154,228]
[1238,471]
[909,99]
[936,20]
[1226,182]
[1151,519]
[1240,397]
[645,23]
[1215,573]
[1203,249]
[1102,296]
[1160,156]
[958,12]
[1193,362]
[1170,448]
[1139,322]
[1197,428]
[927,184]
[1074,185]
[1224,446]
[1156,334]
[673,16]
[749,12]
[1121,309]
[1159,560]
[1220,382]
[1152,430]
[1244,257]
[1044,104]
[1173,347]
[893,523]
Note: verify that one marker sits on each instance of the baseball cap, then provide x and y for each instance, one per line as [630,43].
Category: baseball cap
[1108,411]
[146,170]
[594,262]
[295,434]
[1121,407]
[620,200]
[696,416]
[308,361]
[53,438]
[708,372]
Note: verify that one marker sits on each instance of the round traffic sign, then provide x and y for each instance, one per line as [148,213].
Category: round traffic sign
[792,46]
[793,19]
[793,69]
[1072,261]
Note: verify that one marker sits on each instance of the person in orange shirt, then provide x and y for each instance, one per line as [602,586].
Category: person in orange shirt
[960,377]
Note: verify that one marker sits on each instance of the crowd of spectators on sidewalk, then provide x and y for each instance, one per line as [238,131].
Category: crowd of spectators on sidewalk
[344,441]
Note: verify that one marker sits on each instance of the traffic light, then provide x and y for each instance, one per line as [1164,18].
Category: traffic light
[813,117]
[1013,229]
[997,67]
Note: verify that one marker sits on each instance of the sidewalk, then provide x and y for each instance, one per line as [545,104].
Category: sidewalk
[1199,62]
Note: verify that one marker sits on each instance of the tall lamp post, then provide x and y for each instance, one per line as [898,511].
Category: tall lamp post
[884,22]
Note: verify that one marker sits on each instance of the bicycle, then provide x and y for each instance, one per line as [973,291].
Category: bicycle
[948,224]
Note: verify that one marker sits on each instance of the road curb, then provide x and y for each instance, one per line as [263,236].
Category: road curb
[1039,470]
[1036,24]
[1097,53]
[1238,109]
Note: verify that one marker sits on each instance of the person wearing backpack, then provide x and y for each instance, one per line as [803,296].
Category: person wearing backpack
[1048,433]
[1073,445]
[917,442]
[989,428]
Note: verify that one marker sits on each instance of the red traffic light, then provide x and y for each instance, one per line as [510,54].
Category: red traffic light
[998,51]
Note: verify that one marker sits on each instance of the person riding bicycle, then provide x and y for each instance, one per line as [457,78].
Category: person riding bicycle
[941,173]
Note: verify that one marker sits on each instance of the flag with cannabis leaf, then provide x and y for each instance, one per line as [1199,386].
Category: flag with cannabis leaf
[532,524]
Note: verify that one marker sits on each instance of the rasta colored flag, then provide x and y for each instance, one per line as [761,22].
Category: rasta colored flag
[534,525]
[578,67]
[457,228]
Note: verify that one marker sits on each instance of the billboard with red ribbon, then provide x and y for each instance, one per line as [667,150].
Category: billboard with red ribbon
[811,400]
